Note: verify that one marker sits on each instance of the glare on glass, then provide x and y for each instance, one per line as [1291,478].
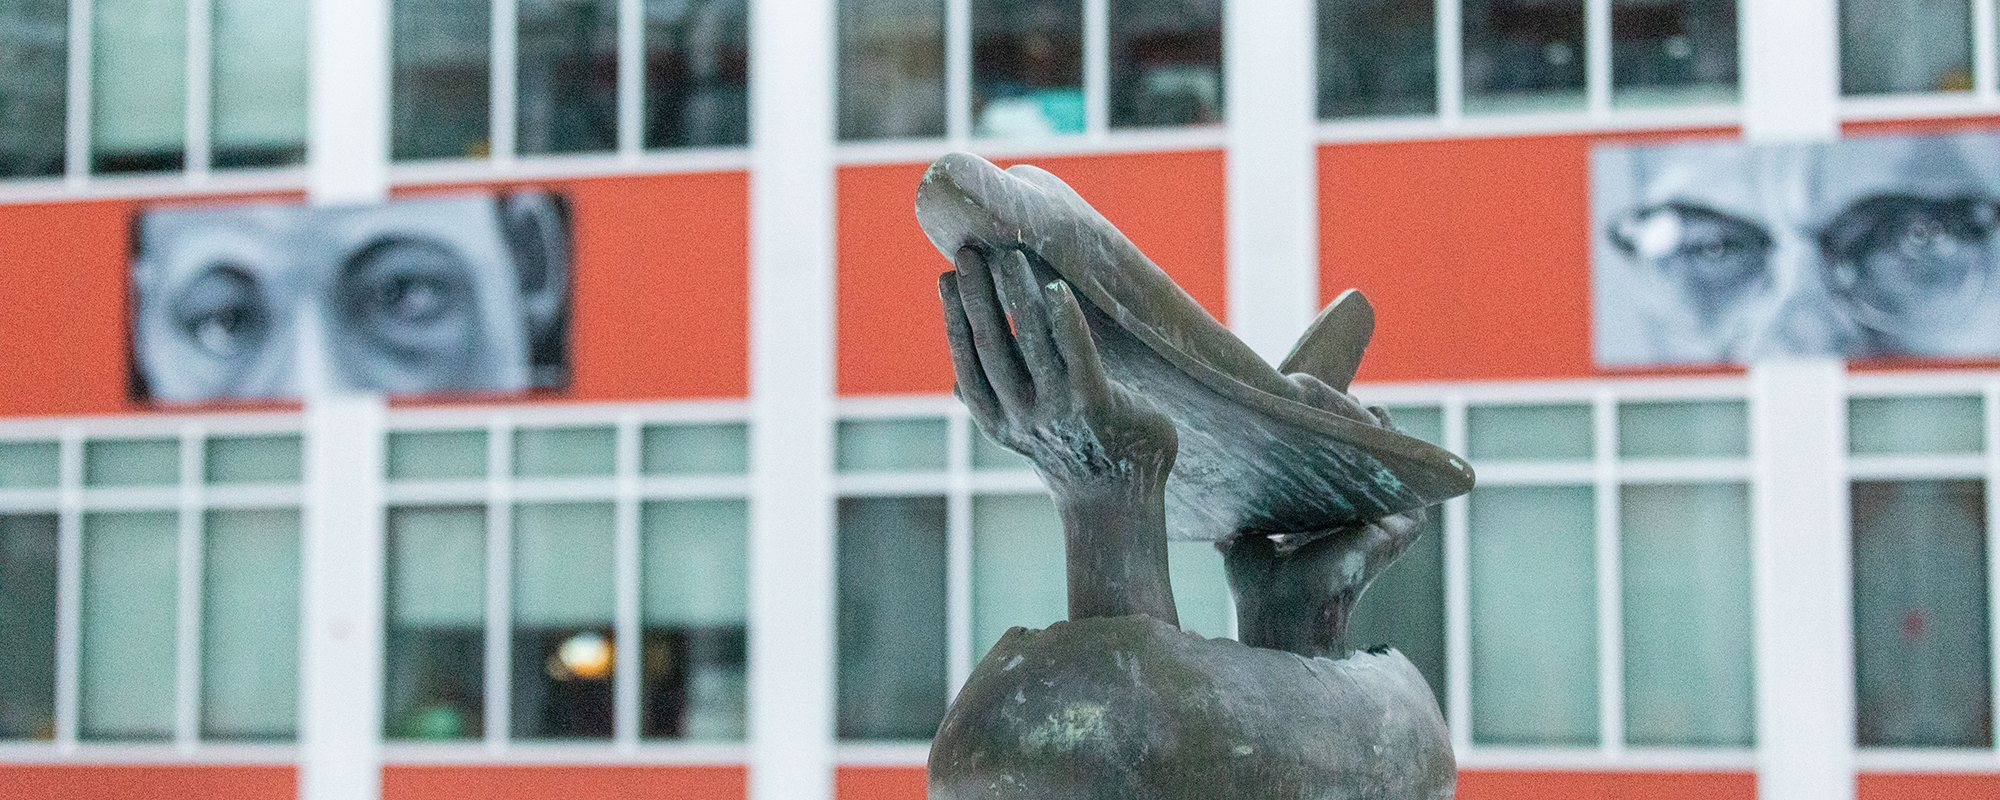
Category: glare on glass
[131,462]
[250,624]
[1683,429]
[1905,46]
[1017,567]
[1685,567]
[1883,425]
[891,675]
[1523,55]
[435,674]
[1377,58]
[440,56]
[565,452]
[29,464]
[131,577]
[1533,563]
[890,445]
[1165,62]
[1404,607]
[1673,51]
[259,82]
[697,73]
[717,448]
[566,78]
[252,459]
[436,455]
[891,74]
[693,583]
[34,88]
[138,88]
[27,626]
[565,568]
[1529,433]
[1027,67]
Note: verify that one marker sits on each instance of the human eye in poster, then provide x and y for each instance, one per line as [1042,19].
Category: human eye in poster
[1722,252]
[464,293]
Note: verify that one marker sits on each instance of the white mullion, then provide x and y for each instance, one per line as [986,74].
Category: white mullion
[958,553]
[630,627]
[631,78]
[501,90]
[1450,62]
[958,71]
[187,637]
[1610,580]
[1985,66]
[1457,590]
[499,578]
[1991,420]
[76,136]
[200,60]
[1096,69]
[69,588]
[1597,56]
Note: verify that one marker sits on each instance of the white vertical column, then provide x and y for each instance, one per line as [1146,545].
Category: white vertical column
[1791,70]
[1801,578]
[1273,175]
[791,398]
[340,719]
[347,150]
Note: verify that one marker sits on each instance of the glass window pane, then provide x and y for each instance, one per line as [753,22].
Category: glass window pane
[253,459]
[1018,573]
[561,452]
[1422,422]
[29,464]
[1894,46]
[1922,659]
[1523,55]
[1404,607]
[1534,615]
[1377,58]
[1688,631]
[566,81]
[891,82]
[720,448]
[697,73]
[1027,67]
[1529,433]
[436,649]
[437,455]
[988,455]
[565,568]
[694,556]
[1673,51]
[259,71]
[1166,62]
[27,626]
[438,103]
[1915,425]
[250,624]
[891,579]
[132,462]
[34,86]
[1691,429]
[890,445]
[139,85]
[1201,588]
[131,569]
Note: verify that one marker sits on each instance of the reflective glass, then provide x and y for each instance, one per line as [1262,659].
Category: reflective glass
[566,78]
[27,626]
[441,54]
[1883,425]
[1523,55]
[1201,588]
[253,459]
[138,94]
[1027,67]
[34,86]
[719,448]
[891,587]
[1684,429]
[565,570]
[697,73]
[259,75]
[250,624]
[1922,653]
[131,575]
[1422,422]
[1377,58]
[1166,62]
[1404,607]
[890,445]
[1018,576]
[988,455]
[1529,433]
[1673,51]
[565,452]
[693,584]
[1901,46]
[1685,555]
[132,462]
[435,671]
[891,81]
[437,455]
[1533,569]
[29,464]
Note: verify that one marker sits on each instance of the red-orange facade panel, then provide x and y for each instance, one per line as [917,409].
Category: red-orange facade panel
[593,782]
[123,782]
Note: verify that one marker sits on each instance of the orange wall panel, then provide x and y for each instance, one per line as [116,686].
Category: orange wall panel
[890,327]
[878,783]
[594,782]
[123,782]
[1919,786]
[1580,785]
[63,346]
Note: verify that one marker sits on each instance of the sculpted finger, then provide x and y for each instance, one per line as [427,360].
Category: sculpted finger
[999,358]
[1032,327]
[1071,334]
[972,387]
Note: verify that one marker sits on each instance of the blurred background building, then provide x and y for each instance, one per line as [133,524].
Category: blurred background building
[750,544]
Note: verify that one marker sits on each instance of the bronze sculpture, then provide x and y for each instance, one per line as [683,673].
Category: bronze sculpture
[1147,419]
